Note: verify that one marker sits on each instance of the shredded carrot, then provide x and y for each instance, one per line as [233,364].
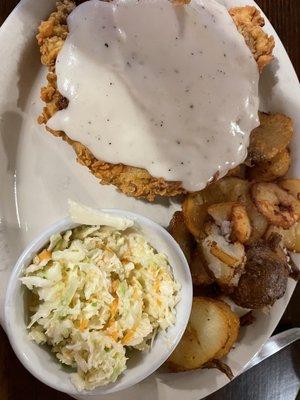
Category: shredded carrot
[83,323]
[128,336]
[114,285]
[114,335]
[44,255]
[114,309]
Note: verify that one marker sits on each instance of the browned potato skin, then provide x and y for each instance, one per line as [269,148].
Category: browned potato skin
[201,275]
[292,186]
[238,172]
[276,204]
[270,138]
[268,171]
[241,227]
[290,238]
[192,354]
[182,235]
[264,280]
[195,205]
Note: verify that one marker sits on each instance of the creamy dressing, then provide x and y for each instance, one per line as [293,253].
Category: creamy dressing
[170,88]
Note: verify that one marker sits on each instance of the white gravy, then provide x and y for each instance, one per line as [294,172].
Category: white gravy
[170,88]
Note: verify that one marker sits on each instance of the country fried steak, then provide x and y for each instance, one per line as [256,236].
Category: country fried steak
[132,181]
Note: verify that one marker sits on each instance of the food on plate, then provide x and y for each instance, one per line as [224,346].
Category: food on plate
[271,137]
[182,235]
[210,334]
[236,214]
[291,236]
[276,204]
[179,231]
[249,23]
[267,171]
[119,162]
[98,293]
[225,259]
[136,120]
[201,275]
[228,189]
[265,277]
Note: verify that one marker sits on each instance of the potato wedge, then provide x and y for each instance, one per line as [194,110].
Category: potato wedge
[290,237]
[241,227]
[270,138]
[206,335]
[200,275]
[268,171]
[182,235]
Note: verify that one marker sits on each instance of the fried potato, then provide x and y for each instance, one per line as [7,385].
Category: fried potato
[290,237]
[237,172]
[182,235]
[259,223]
[220,212]
[241,227]
[195,205]
[224,260]
[234,328]
[200,274]
[277,205]
[270,138]
[292,186]
[210,334]
[268,171]
[237,214]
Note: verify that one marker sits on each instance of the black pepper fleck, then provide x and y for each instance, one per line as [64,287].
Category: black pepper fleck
[107,119]
[109,143]
[106,44]
[192,54]
[192,106]
[178,141]
[128,64]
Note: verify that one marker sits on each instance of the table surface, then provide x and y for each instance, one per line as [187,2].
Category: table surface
[278,377]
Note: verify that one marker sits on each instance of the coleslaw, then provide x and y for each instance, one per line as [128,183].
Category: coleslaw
[97,292]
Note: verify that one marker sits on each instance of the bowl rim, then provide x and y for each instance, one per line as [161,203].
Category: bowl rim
[41,239]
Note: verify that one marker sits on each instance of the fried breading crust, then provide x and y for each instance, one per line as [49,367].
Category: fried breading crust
[132,181]
[249,23]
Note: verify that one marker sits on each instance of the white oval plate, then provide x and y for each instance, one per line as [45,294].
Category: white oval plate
[38,173]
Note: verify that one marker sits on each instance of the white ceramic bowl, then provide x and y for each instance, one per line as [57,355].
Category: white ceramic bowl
[39,360]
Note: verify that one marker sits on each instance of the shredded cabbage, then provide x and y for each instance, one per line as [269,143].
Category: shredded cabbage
[98,292]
